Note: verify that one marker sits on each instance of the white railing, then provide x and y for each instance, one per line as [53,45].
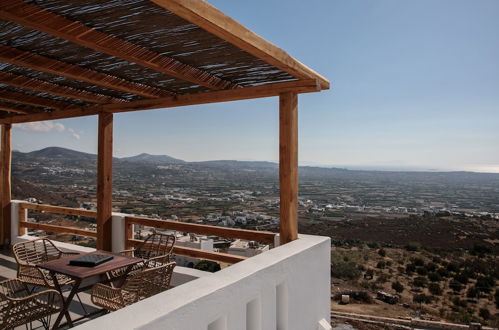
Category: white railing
[285,288]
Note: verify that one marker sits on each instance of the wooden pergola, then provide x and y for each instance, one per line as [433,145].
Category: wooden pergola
[64,59]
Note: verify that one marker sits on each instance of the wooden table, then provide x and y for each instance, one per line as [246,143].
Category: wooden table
[84,277]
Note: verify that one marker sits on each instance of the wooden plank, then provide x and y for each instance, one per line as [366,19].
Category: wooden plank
[214,21]
[23,217]
[33,100]
[19,108]
[54,89]
[104,182]
[246,93]
[59,229]
[42,20]
[5,172]
[128,234]
[200,254]
[288,166]
[58,209]
[250,235]
[48,65]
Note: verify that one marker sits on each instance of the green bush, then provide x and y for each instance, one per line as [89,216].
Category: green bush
[410,268]
[455,286]
[420,282]
[434,277]
[382,252]
[381,265]
[208,266]
[413,246]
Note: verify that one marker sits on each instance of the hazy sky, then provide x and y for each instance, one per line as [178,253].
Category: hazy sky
[415,85]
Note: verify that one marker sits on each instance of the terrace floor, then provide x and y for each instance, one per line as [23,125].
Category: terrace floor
[8,270]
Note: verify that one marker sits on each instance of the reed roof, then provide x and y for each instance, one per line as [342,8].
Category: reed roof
[61,59]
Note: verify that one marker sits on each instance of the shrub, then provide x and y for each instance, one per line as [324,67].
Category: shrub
[455,286]
[434,277]
[348,270]
[422,299]
[443,272]
[381,265]
[382,252]
[473,292]
[458,302]
[485,284]
[496,297]
[421,271]
[435,289]
[461,278]
[418,261]
[453,267]
[397,286]
[208,266]
[413,246]
[484,313]
[420,282]
[410,268]
[431,267]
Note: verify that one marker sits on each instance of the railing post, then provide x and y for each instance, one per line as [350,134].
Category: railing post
[119,232]
[5,183]
[22,214]
[288,166]
[104,182]
[129,233]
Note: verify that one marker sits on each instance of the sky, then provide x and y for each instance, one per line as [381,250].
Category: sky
[415,85]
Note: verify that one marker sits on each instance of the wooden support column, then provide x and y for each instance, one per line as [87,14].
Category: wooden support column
[5,183]
[104,182]
[288,166]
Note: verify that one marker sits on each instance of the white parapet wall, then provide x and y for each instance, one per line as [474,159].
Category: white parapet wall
[286,288]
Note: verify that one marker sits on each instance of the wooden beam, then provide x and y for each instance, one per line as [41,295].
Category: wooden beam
[250,235]
[19,108]
[5,170]
[288,166]
[54,89]
[58,229]
[214,21]
[33,100]
[104,182]
[43,20]
[177,101]
[48,65]
[58,209]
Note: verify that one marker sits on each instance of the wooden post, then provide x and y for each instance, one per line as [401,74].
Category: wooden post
[288,166]
[5,200]
[23,217]
[104,182]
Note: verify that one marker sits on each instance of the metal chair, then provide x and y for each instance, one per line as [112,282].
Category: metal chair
[18,306]
[137,286]
[32,253]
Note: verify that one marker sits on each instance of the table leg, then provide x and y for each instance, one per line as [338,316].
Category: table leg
[67,301]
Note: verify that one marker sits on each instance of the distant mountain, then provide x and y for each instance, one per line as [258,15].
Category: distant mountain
[58,153]
[156,159]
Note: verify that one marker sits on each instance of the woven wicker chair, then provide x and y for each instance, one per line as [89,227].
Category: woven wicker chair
[156,250]
[138,286]
[18,306]
[29,254]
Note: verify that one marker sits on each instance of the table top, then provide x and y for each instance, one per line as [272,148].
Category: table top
[62,265]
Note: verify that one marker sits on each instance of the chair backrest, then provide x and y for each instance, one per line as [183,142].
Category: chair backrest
[149,281]
[36,251]
[156,244]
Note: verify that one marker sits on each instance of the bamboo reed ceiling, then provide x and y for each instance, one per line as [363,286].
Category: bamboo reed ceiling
[58,55]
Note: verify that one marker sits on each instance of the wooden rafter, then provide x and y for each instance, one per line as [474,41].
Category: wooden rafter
[214,21]
[44,64]
[176,101]
[33,100]
[54,89]
[43,20]
[18,108]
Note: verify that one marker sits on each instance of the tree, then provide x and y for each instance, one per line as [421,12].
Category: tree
[397,286]
[455,286]
[434,277]
[420,282]
[422,299]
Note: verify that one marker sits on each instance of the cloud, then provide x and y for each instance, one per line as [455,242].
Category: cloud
[75,135]
[41,127]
